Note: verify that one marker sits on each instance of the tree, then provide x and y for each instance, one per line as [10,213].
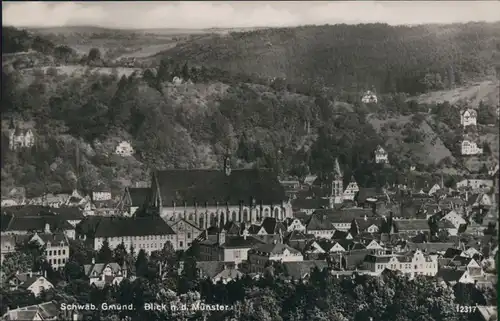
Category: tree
[120,254]
[185,72]
[105,255]
[94,55]
[142,264]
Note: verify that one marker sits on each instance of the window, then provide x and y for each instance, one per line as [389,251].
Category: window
[64,261]
[64,252]
[58,261]
[189,235]
[58,252]
[50,252]
[181,244]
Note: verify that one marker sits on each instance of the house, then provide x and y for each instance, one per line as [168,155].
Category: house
[227,248]
[100,274]
[342,219]
[147,233]
[36,284]
[186,232]
[475,184]
[381,156]
[365,225]
[479,200]
[369,97]
[72,215]
[450,275]
[261,256]
[101,194]
[218,271]
[454,218]
[351,190]
[124,149]
[302,270]
[487,313]
[309,205]
[434,189]
[40,312]
[412,264]
[468,117]
[319,226]
[56,247]
[294,224]
[469,147]
[25,225]
[309,179]
[8,245]
[21,135]
[214,197]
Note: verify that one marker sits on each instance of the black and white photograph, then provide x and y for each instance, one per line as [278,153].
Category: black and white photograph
[250,160]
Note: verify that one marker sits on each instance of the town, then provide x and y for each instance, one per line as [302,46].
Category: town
[159,164]
[237,222]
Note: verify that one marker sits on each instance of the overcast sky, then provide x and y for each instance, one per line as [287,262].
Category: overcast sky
[143,15]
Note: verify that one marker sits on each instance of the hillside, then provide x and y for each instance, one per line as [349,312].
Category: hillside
[412,136]
[487,91]
[389,59]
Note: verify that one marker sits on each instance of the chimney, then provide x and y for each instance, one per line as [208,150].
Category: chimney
[366,218]
[93,260]
[245,234]
[222,237]
[45,274]
[47,228]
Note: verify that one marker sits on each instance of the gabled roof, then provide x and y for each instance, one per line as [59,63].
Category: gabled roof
[29,281]
[138,196]
[98,268]
[210,186]
[297,270]
[34,223]
[124,226]
[277,248]
[241,242]
[316,223]
[53,238]
[210,268]
[450,274]
[272,226]
[411,225]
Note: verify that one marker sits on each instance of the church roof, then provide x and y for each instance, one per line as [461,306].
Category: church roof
[210,186]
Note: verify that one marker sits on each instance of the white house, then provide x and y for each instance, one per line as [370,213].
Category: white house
[101,194]
[454,218]
[21,136]
[469,147]
[56,247]
[124,149]
[475,183]
[369,97]
[381,155]
[351,190]
[260,256]
[468,117]
[412,264]
[294,224]
[36,284]
[100,274]
[434,189]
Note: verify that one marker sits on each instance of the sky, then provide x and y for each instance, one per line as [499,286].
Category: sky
[227,14]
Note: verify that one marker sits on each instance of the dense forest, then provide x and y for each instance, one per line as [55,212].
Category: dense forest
[360,57]
[294,129]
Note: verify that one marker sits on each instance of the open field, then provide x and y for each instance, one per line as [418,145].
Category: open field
[487,90]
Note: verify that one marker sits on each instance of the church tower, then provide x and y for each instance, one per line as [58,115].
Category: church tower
[337,183]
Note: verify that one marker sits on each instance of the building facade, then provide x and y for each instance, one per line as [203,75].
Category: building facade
[261,256]
[416,263]
[468,117]
[381,156]
[213,197]
[469,147]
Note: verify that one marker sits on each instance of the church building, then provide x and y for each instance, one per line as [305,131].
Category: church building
[206,197]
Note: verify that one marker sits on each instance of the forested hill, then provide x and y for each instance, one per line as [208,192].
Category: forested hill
[387,58]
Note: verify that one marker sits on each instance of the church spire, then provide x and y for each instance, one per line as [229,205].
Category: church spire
[337,172]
